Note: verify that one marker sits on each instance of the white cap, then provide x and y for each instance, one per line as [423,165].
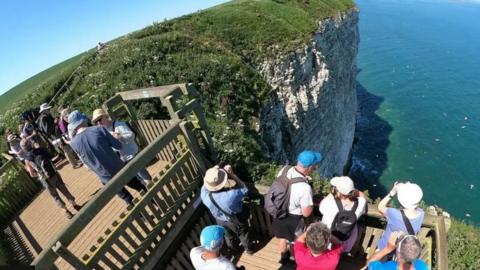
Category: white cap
[343,184]
[44,107]
[409,195]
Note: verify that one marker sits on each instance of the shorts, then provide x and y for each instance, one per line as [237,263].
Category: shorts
[289,227]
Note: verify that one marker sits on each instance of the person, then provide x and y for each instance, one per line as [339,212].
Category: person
[207,256]
[300,201]
[14,147]
[63,121]
[312,250]
[122,132]
[222,193]
[41,160]
[407,249]
[409,195]
[62,142]
[94,146]
[46,122]
[344,193]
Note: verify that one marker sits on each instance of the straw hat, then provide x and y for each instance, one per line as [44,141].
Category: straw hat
[409,195]
[215,179]
[97,114]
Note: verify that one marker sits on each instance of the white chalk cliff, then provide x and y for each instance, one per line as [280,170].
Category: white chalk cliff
[314,102]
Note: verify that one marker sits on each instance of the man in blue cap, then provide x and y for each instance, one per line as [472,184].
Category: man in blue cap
[207,256]
[94,146]
[300,202]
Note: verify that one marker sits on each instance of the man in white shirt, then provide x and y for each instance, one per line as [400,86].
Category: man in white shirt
[300,202]
[122,132]
[207,256]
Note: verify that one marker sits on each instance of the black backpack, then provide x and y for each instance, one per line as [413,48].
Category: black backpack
[344,221]
[277,198]
[44,164]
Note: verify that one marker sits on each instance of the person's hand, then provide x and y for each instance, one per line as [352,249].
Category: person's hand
[116,135]
[228,168]
[393,192]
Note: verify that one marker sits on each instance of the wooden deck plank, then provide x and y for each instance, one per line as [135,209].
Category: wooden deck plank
[40,222]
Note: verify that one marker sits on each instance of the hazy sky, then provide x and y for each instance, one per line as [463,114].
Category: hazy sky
[35,35]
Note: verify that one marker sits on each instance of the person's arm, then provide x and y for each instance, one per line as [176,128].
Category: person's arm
[307,211]
[303,236]
[232,175]
[382,206]
[114,143]
[126,134]
[306,202]
[377,256]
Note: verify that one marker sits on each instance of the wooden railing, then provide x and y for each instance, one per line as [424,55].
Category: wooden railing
[16,189]
[137,238]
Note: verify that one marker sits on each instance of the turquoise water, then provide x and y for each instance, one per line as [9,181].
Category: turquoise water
[420,63]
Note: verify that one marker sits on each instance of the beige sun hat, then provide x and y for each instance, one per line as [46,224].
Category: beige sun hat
[216,178]
[343,184]
[409,195]
[97,114]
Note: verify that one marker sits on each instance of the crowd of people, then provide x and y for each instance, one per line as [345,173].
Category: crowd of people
[105,146]
[311,242]
[101,144]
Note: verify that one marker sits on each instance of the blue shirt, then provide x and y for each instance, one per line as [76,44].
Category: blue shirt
[390,265]
[94,147]
[395,223]
[229,200]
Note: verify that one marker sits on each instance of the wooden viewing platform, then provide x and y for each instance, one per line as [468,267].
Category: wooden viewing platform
[165,222]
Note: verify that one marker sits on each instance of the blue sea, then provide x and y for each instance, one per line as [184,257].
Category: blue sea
[419,94]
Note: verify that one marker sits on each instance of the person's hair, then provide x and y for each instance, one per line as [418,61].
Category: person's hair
[409,249]
[352,196]
[318,237]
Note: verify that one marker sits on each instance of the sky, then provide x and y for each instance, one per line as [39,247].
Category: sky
[35,35]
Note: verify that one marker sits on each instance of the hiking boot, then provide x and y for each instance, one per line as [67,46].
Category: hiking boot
[77,207]
[68,214]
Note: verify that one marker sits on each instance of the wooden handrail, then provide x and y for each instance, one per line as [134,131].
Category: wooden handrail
[48,256]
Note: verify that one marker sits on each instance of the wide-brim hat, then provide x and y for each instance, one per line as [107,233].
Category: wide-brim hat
[409,195]
[75,119]
[343,184]
[216,178]
[97,114]
[44,107]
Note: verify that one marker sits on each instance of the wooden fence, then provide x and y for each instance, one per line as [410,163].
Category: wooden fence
[16,190]
[135,238]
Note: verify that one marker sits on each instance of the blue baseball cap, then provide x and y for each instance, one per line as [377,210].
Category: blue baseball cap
[309,158]
[212,237]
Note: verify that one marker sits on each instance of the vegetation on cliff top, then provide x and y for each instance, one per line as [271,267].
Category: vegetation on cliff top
[215,49]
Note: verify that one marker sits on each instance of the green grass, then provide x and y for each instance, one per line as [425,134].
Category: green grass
[463,246]
[31,84]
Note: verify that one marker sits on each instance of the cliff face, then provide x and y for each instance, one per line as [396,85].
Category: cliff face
[315,101]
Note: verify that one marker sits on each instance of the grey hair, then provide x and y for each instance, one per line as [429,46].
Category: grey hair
[318,237]
[409,249]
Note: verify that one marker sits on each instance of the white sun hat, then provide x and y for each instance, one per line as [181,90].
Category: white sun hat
[343,184]
[409,195]
[44,107]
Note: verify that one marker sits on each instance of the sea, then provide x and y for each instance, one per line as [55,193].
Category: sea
[419,101]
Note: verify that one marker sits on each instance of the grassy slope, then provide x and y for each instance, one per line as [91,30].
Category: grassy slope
[19,91]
